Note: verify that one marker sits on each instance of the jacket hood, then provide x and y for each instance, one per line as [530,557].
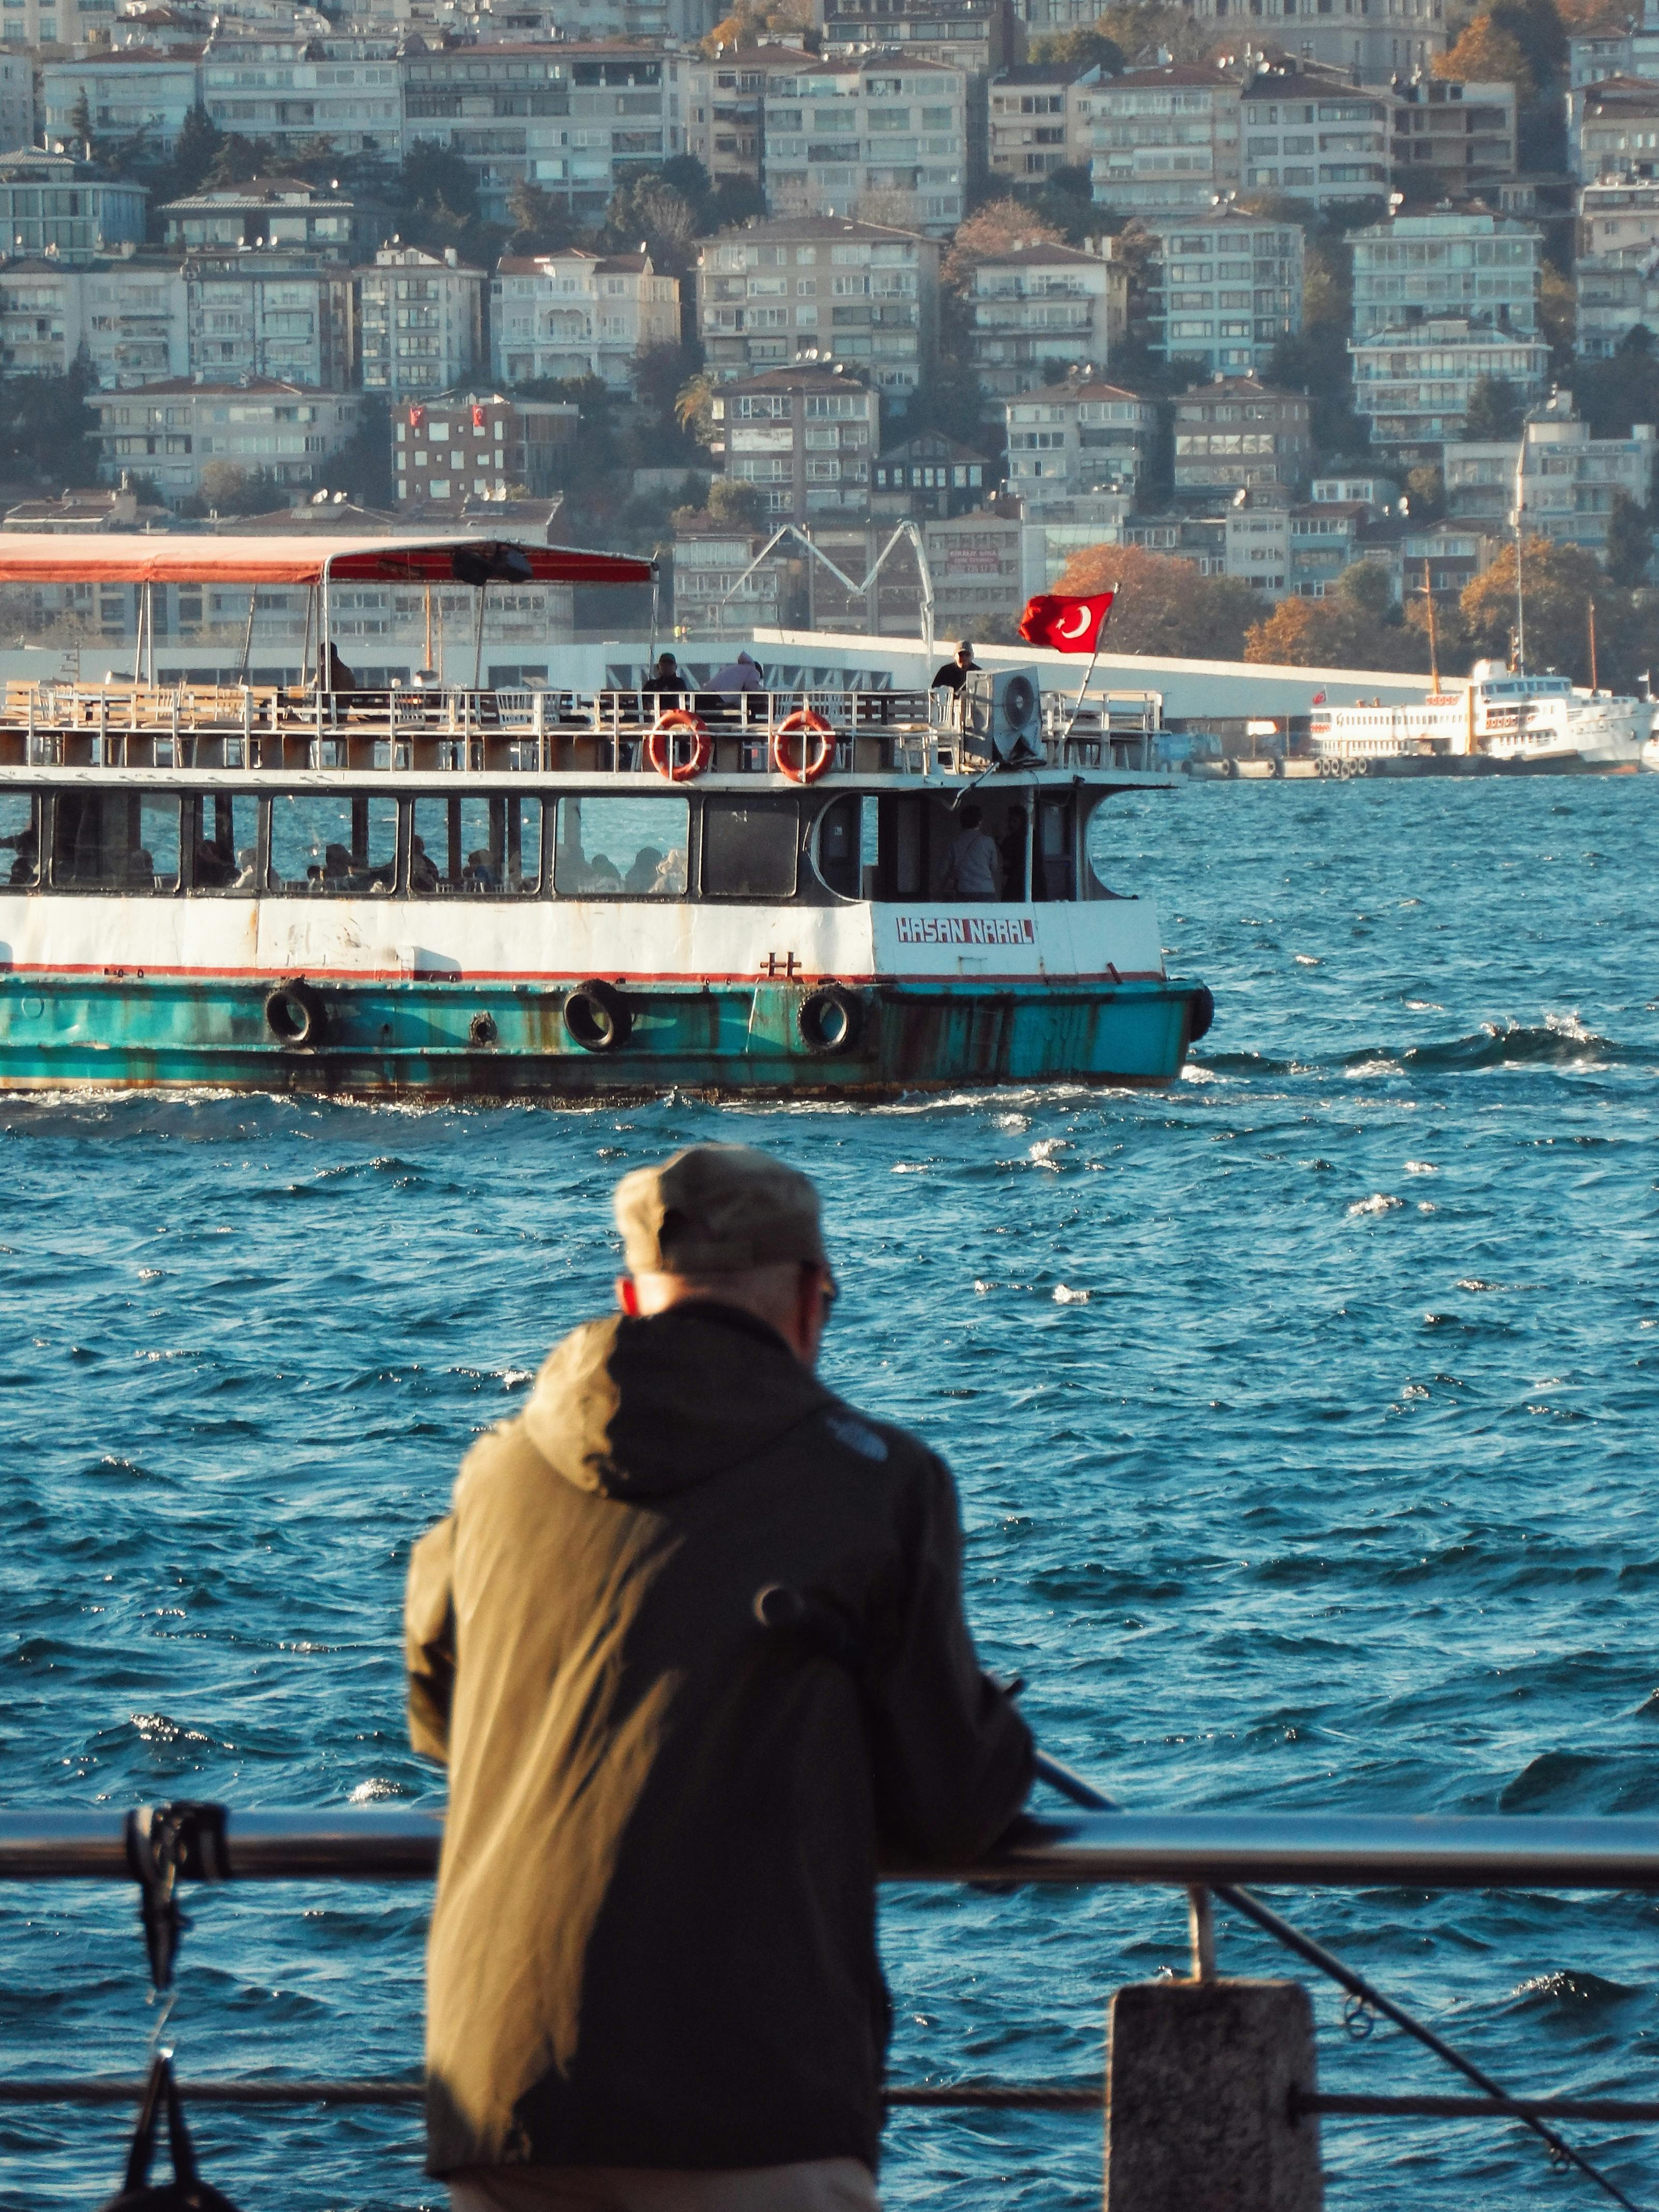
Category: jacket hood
[636,1409]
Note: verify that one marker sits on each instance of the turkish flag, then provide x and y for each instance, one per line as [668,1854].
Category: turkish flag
[477,418]
[1068,625]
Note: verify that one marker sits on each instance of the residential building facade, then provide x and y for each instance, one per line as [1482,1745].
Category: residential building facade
[1485,267]
[928,477]
[1614,212]
[577,313]
[1569,480]
[51,204]
[861,293]
[1452,557]
[807,437]
[979,36]
[725,107]
[1617,293]
[719,592]
[1314,136]
[1223,288]
[1156,139]
[1613,128]
[1070,439]
[129,315]
[175,432]
[1376,40]
[128,90]
[883,139]
[1412,383]
[1631,50]
[1461,136]
[480,445]
[1025,125]
[1239,433]
[283,316]
[1036,305]
[292,90]
[421,321]
[286,213]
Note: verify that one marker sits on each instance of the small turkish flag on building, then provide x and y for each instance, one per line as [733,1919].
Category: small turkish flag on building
[1319,698]
[1067,625]
[477,418]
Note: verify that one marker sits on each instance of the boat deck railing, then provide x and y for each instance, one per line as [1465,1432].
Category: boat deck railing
[438,728]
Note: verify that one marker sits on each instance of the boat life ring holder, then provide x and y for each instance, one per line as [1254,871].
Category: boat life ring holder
[659,749]
[816,760]
[598,1017]
[295,1014]
[829,1020]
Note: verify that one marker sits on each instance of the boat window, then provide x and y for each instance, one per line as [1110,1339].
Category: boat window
[622,847]
[224,840]
[345,846]
[750,848]
[839,846]
[19,837]
[475,846]
[903,848]
[1053,873]
[116,841]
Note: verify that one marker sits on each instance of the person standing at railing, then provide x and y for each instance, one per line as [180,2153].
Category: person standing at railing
[743,674]
[653,1983]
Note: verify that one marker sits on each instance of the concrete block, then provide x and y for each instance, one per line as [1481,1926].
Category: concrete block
[1199,2077]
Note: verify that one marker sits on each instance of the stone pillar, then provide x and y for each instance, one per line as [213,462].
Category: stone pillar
[1198,2076]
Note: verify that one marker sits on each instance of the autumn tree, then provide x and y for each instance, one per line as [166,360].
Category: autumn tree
[998,226]
[1165,607]
[1489,55]
[1356,626]
[1557,316]
[737,505]
[1560,582]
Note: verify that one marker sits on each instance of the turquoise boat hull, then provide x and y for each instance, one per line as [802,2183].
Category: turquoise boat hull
[495,1040]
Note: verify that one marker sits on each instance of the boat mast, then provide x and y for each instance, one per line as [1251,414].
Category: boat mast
[1594,686]
[1434,640]
[1520,592]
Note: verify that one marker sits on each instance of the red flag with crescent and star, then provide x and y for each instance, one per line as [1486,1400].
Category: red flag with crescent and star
[1068,625]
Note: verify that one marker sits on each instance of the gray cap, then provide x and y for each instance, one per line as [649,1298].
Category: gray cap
[716,1209]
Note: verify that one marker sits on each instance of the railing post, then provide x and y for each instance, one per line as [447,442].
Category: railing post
[1199,2077]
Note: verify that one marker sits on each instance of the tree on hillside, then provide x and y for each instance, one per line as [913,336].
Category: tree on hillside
[80,123]
[1164,605]
[646,211]
[737,505]
[1557,316]
[1081,48]
[1495,412]
[1629,541]
[195,150]
[540,222]
[997,228]
[1356,626]
[363,464]
[1139,26]
[1536,28]
[1488,55]
[47,428]
[1560,582]
[1615,394]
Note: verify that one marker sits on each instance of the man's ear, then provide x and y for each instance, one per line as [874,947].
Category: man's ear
[628,1295]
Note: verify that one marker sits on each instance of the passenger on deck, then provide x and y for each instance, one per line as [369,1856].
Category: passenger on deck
[603,875]
[1012,848]
[671,876]
[214,867]
[26,866]
[481,873]
[641,878]
[340,678]
[666,681]
[248,864]
[743,674]
[422,868]
[653,1979]
[954,673]
[973,866]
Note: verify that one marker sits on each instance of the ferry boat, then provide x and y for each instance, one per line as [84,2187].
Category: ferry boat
[1514,722]
[435,889]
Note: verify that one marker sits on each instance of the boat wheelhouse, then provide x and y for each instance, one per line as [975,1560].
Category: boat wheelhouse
[442,889]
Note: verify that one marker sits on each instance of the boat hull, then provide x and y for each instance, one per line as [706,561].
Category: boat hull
[502,1040]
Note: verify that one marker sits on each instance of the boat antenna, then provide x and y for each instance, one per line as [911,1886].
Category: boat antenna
[1434,638]
[1520,590]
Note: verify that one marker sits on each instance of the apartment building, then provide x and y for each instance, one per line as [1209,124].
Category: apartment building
[1071,439]
[1413,383]
[719,592]
[979,36]
[69,211]
[1025,125]
[1617,293]
[286,213]
[808,437]
[129,315]
[283,316]
[1461,136]
[175,432]
[1617,212]
[577,313]
[1316,137]
[884,139]
[1631,50]
[1237,433]
[821,285]
[976,561]
[1036,305]
[1569,480]
[1483,266]
[480,445]
[17,105]
[127,90]
[1452,555]
[1613,128]
[666,22]
[421,321]
[1323,539]
[577,118]
[1376,492]
[1222,287]
[1376,39]
[32,24]
[290,90]
[930,476]
[725,106]
[1156,139]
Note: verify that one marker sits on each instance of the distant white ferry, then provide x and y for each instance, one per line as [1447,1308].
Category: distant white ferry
[1542,721]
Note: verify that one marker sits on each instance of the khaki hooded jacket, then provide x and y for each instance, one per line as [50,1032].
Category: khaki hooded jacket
[654,1937]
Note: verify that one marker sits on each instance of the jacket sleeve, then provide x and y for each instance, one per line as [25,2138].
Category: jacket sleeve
[429,1639]
[952,1759]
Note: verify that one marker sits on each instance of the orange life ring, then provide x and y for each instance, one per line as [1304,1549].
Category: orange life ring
[804,723]
[660,745]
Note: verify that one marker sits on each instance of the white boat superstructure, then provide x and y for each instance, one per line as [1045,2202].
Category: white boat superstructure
[1521,721]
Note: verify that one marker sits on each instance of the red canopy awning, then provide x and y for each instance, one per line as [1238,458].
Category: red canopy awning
[97,557]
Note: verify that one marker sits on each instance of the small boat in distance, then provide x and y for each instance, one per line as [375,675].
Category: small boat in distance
[436,889]
[1541,724]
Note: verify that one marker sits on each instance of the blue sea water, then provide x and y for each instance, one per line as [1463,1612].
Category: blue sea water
[1303,1415]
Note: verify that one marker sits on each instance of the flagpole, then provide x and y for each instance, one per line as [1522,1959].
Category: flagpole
[1082,688]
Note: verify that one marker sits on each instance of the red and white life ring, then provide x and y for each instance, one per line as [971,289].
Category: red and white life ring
[817,762]
[660,745]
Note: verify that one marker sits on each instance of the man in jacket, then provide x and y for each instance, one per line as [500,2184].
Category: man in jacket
[653,1978]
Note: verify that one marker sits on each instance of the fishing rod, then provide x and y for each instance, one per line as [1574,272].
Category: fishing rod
[782,1609]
